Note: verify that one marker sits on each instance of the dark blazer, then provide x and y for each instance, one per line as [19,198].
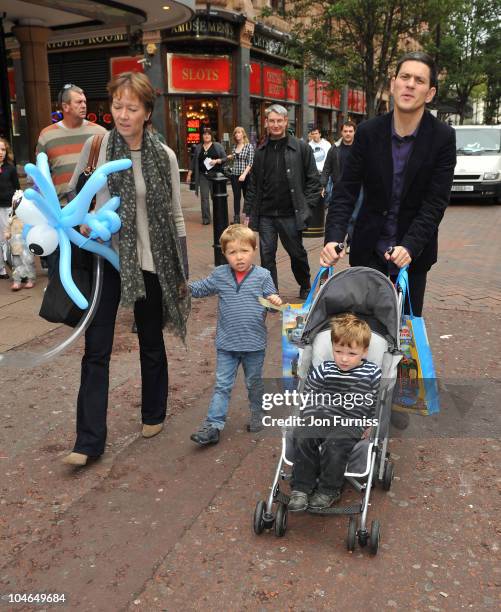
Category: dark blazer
[302,176]
[425,194]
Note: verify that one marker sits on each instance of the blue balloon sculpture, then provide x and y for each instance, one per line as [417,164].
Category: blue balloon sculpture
[47,225]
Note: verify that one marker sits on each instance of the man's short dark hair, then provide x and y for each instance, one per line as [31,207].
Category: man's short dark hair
[349,124]
[424,58]
[315,129]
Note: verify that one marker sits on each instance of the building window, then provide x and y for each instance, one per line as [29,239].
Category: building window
[278,6]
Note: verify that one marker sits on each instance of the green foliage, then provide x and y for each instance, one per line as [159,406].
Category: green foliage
[354,41]
[463,39]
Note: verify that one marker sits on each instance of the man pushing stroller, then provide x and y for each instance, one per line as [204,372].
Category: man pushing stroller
[349,387]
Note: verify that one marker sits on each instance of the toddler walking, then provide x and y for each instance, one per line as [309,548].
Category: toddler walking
[241,329]
[23,261]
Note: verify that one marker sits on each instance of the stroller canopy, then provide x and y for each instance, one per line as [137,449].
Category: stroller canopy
[364,291]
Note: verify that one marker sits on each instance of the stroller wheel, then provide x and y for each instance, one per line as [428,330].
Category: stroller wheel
[352,534]
[375,537]
[259,517]
[388,476]
[281,520]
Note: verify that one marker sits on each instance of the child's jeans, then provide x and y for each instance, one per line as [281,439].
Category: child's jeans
[322,458]
[226,372]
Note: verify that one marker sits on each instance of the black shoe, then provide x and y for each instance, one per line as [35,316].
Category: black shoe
[206,222]
[236,219]
[298,502]
[320,501]
[303,292]
[133,328]
[207,434]
[4,276]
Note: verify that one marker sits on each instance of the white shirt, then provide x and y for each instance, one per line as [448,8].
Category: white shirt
[320,150]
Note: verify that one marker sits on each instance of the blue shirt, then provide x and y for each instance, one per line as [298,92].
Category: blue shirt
[241,318]
[401,149]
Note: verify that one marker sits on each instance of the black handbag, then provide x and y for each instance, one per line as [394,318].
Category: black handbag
[57,306]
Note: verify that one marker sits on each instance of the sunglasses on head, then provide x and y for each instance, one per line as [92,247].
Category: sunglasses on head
[64,88]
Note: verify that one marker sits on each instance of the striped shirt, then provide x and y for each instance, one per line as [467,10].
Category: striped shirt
[352,393]
[62,146]
[241,318]
[243,159]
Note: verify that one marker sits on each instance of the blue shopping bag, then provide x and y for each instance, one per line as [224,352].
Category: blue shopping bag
[293,321]
[417,386]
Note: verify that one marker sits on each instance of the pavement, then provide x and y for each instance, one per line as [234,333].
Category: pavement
[163,525]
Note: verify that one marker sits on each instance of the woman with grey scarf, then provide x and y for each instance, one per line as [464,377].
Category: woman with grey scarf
[153,264]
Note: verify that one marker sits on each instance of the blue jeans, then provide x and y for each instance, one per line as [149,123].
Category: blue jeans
[226,372]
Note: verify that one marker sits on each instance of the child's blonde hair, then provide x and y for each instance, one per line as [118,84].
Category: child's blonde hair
[237,232]
[349,330]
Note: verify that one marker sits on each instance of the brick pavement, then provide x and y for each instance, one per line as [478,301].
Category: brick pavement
[155,526]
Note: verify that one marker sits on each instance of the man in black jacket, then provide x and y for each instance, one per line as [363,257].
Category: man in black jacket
[405,162]
[284,186]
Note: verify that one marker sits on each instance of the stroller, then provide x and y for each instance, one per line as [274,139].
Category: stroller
[371,296]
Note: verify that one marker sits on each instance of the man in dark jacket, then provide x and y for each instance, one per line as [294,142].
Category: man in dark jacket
[284,186]
[405,162]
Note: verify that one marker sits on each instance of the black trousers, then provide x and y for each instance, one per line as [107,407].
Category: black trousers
[92,403]
[238,188]
[417,285]
[323,459]
[270,228]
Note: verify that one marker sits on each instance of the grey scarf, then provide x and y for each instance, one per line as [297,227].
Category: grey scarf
[164,241]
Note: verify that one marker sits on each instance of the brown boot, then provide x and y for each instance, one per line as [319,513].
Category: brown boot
[78,459]
[152,430]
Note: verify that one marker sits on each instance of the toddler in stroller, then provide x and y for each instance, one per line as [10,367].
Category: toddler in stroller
[340,401]
[371,297]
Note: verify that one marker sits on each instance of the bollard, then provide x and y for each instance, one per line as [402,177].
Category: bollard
[316,224]
[220,213]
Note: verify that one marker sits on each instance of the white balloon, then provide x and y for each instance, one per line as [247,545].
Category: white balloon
[42,239]
[28,212]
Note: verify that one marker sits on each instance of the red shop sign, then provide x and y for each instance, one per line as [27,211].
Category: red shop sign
[125,64]
[199,74]
[336,98]
[311,92]
[323,94]
[293,90]
[356,101]
[274,83]
[255,80]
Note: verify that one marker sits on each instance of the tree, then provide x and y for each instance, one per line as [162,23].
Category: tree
[492,52]
[354,41]
[459,42]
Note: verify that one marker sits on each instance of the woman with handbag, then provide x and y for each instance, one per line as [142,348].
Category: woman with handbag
[153,264]
[242,155]
[207,158]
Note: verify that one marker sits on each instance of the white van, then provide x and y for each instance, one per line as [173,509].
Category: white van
[478,167]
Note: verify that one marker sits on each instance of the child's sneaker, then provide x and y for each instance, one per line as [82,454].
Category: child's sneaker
[15,286]
[207,434]
[320,501]
[29,284]
[298,501]
[256,423]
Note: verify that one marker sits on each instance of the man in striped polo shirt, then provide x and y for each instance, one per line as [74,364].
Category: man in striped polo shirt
[63,141]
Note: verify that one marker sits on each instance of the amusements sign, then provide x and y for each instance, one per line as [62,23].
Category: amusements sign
[198,73]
